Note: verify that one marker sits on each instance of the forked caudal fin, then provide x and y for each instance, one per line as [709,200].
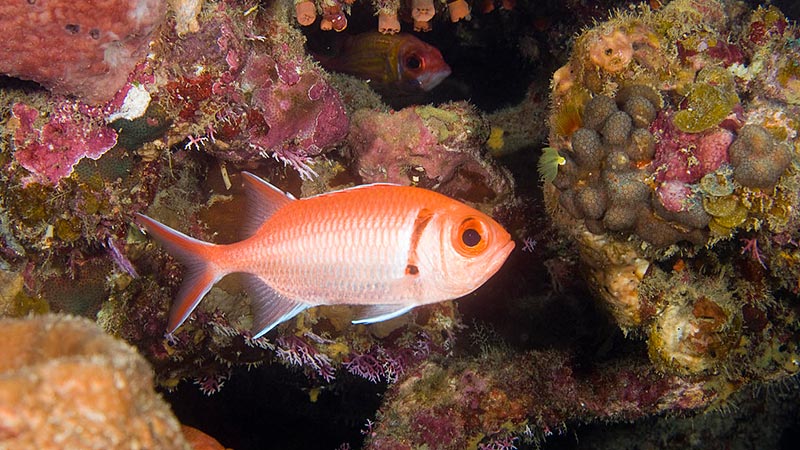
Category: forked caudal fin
[200,273]
[203,261]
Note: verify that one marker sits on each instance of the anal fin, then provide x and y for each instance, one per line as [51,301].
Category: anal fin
[379,313]
[270,308]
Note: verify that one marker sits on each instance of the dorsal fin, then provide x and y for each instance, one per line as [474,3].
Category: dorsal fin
[263,199]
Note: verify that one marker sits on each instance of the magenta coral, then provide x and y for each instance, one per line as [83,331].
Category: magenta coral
[304,115]
[687,157]
[266,99]
[365,366]
[50,153]
[84,49]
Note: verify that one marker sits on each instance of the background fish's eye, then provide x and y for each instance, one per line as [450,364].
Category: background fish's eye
[470,237]
[413,62]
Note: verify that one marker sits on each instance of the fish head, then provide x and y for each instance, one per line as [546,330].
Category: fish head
[421,65]
[469,248]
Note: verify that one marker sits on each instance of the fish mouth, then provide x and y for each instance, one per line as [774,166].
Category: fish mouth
[434,78]
[502,254]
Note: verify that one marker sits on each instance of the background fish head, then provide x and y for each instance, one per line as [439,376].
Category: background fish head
[463,248]
[421,65]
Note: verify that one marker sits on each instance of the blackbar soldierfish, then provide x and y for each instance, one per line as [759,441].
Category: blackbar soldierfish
[387,247]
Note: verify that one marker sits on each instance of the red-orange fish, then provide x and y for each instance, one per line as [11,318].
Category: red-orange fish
[397,63]
[389,248]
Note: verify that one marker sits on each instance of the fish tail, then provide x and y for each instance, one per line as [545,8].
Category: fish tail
[201,272]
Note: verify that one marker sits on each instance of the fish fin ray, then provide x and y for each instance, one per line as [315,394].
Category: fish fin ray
[379,313]
[354,188]
[270,308]
[263,199]
[199,274]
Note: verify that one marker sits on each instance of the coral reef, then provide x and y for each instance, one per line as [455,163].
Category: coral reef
[660,125]
[677,179]
[475,403]
[670,196]
[706,345]
[245,90]
[81,49]
[65,383]
[432,147]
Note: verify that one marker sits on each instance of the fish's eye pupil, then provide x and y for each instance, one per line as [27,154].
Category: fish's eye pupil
[413,62]
[470,237]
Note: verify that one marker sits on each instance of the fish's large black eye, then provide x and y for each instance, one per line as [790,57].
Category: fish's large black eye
[470,237]
[413,62]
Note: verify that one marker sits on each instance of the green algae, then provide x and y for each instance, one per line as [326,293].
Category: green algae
[439,120]
[708,105]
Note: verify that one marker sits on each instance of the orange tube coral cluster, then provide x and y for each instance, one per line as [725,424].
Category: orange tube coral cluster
[334,12]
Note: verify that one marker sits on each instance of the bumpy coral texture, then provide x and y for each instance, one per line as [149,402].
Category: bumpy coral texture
[759,160]
[631,168]
[86,49]
[429,147]
[66,384]
[605,179]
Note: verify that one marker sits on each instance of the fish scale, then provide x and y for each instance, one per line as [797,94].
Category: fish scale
[388,248]
[304,243]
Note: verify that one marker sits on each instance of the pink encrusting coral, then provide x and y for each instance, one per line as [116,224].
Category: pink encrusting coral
[52,151]
[304,115]
[257,96]
[687,157]
[428,146]
[86,49]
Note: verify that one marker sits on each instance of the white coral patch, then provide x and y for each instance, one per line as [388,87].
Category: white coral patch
[135,104]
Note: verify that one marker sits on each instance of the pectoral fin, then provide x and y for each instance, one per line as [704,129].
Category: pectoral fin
[379,313]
